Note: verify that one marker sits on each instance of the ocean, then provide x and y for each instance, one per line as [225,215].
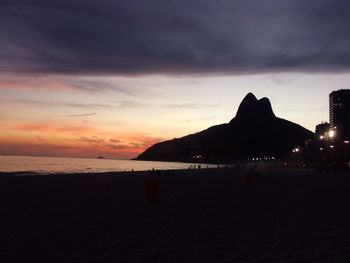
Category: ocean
[53,165]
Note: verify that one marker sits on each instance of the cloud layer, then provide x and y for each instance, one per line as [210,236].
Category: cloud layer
[174,37]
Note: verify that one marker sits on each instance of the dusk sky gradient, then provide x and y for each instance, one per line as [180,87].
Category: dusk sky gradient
[89,78]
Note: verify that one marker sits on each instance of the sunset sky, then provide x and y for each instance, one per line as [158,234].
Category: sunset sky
[90,78]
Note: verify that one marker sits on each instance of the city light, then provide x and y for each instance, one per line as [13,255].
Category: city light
[321,137]
[331,146]
[331,133]
[266,158]
[346,142]
[297,149]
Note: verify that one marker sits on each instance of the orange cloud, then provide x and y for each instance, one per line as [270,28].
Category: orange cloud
[55,128]
[53,139]
[64,150]
[69,149]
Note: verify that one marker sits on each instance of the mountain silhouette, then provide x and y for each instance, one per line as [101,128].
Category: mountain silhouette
[254,132]
[251,108]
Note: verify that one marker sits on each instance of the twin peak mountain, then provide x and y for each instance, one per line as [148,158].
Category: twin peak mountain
[254,132]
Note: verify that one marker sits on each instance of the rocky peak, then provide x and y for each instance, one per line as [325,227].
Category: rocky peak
[252,108]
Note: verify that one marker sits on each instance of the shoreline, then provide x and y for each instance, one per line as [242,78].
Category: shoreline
[113,173]
[163,172]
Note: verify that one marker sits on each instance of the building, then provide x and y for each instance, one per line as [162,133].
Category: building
[321,129]
[339,114]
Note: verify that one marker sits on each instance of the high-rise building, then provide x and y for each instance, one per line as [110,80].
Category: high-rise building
[339,114]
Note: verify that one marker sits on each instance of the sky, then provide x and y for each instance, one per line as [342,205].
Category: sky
[111,78]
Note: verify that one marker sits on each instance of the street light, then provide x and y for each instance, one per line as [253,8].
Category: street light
[297,149]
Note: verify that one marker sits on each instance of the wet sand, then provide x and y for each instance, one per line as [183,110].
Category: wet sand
[208,215]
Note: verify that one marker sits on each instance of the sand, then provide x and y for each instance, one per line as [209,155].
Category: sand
[210,215]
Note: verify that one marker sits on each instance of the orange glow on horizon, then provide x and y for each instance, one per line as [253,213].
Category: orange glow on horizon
[121,116]
[71,140]
[54,128]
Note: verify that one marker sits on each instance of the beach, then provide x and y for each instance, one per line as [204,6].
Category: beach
[203,215]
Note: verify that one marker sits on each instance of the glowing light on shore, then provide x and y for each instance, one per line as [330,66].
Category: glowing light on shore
[297,149]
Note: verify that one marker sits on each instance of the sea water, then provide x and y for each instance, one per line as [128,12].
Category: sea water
[51,165]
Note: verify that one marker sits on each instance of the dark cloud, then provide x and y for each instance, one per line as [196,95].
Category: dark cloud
[80,115]
[117,146]
[115,141]
[174,37]
[91,139]
[93,86]
[190,106]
